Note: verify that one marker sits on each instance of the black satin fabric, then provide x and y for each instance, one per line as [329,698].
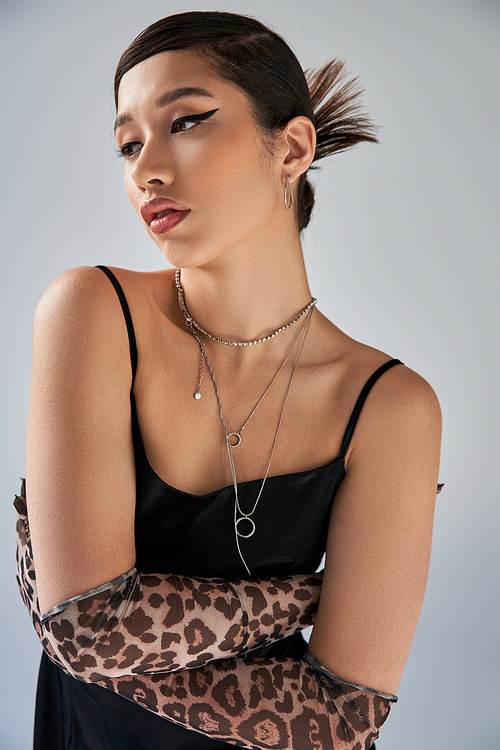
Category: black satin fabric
[177,532]
[194,535]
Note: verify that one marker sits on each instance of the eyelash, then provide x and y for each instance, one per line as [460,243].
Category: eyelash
[121,151]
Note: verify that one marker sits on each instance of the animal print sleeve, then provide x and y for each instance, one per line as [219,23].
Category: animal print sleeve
[163,623]
[283,704]
[256,703]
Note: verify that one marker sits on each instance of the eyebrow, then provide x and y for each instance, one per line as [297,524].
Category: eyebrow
[169,98]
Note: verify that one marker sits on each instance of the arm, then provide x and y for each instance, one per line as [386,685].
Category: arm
[81,506]
[254,703]
[162,623]
[264,703]
[379,540]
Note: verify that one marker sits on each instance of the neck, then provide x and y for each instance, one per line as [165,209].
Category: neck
[249,296]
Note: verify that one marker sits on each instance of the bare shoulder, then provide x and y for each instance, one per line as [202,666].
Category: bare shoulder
[402,394]
[77,292]
[402,390]
[401,415]
[79,322]
[83,300]
[80,315]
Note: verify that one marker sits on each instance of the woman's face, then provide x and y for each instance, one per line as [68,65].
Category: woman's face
[196,169]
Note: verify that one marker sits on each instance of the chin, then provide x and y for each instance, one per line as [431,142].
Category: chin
[184,253]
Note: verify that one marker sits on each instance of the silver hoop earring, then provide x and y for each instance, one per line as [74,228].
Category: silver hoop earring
[288,193]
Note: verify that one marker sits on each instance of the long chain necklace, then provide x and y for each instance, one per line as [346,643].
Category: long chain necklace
[197,329]
[233,439]
[247,517]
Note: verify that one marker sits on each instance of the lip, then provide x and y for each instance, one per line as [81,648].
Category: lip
[167,222]
[150,209]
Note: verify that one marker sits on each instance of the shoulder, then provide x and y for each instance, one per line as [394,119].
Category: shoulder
[80,314]
[399,400]
[401,411]
[84,296]
[402,394]
[399,388]
[78,291]
[78,321]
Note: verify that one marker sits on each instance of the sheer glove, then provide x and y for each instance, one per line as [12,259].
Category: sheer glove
[142,624]
[162,623]
[256,703]
[283,704]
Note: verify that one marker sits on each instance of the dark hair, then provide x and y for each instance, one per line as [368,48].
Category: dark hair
[246,53]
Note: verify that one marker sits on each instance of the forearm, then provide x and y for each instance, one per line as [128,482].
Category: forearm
[148,623]
[262,703]
[254,703]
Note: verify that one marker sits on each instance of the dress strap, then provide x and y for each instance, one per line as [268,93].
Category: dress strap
[353,419]
[128,320]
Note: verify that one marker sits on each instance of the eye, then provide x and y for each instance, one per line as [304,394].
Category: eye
[182,124]
[128,149]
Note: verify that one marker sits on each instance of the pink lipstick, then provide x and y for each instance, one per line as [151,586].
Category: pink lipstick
[169,221]
[162,214]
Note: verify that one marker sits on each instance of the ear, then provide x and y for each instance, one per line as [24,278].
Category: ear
[300,146]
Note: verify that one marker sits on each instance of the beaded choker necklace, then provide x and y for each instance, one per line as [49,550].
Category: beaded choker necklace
[195,326]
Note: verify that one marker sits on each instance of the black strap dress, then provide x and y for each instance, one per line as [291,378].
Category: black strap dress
[181,533]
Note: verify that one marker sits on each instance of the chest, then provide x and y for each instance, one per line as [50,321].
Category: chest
[277,427]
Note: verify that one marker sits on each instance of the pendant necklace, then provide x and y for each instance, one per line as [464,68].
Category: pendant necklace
[244,525]
[240,517]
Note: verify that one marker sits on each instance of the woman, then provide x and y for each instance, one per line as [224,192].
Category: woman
[154,391]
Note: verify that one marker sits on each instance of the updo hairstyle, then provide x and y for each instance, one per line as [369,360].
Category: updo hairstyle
[246,53]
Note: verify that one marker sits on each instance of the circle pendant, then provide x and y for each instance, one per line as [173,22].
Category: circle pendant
[236,438]
[245,518]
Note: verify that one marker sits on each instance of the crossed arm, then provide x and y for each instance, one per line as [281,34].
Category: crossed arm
[377,557]
[250,702]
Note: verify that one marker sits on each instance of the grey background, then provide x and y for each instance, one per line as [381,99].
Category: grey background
[403,254]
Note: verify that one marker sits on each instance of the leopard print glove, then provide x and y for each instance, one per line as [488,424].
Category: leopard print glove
[261,703]
[163,623]
[255,703]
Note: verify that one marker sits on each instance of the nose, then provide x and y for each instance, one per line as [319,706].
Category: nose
[152,166]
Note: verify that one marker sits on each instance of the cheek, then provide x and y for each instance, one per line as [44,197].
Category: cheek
[237,177]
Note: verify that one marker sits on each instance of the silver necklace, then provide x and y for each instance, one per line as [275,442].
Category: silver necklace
[195,326]
[234,438]
[247,517]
